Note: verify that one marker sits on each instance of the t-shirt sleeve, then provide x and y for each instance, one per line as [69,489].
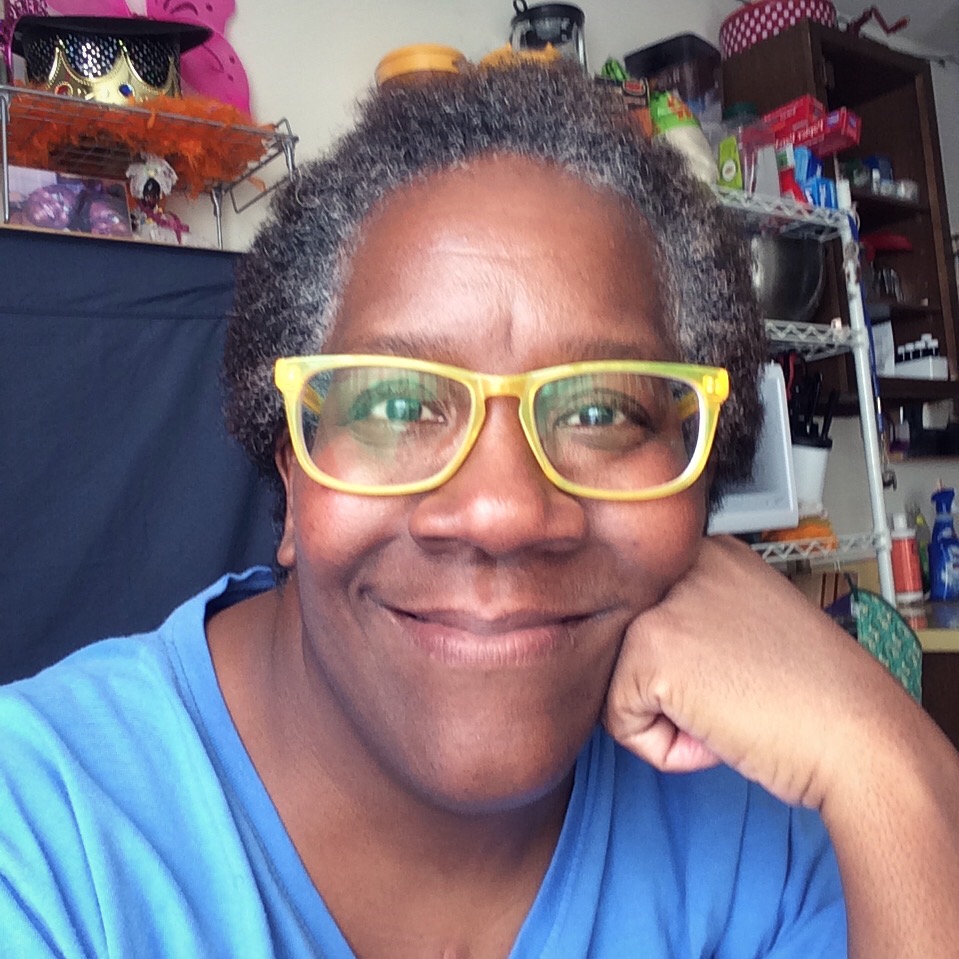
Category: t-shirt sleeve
[48,904]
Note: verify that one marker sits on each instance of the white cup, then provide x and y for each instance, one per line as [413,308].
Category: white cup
[809,464]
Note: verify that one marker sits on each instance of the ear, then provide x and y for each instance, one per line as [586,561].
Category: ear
[707,480]
[286,466]
[709,475]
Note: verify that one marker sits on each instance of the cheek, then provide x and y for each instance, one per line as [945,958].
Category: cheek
[654,543]
[333,532]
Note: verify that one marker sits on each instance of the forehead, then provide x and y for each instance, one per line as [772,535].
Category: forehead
[504,251]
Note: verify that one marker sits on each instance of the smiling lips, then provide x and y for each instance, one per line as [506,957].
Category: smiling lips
[459,638]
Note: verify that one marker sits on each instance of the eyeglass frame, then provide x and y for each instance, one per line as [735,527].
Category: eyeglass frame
[709,383]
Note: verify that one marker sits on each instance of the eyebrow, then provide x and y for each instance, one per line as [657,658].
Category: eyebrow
[449,349]
[405,345]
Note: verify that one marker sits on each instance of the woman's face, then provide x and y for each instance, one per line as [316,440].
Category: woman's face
[52,206]
[107,218]
[467,635]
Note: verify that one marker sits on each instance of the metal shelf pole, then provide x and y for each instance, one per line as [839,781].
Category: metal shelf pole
[216,198]
[867,413]
[816,342]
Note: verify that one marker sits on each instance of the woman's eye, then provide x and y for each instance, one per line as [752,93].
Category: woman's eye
[593,414]
[401,409]
[393,407]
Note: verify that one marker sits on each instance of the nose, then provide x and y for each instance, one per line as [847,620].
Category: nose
[499,501]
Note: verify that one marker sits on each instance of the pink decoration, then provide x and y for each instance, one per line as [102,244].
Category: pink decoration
[213,69]
[88,8]
[14,10]
[211,13]
[868,14]
[25,8]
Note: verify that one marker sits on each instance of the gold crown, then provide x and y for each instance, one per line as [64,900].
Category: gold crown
[118,85]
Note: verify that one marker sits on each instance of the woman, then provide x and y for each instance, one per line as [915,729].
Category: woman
[505,325]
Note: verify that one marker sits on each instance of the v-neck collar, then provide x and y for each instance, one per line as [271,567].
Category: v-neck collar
[552,925]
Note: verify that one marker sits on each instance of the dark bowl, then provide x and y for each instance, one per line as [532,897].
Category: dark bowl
[788,276]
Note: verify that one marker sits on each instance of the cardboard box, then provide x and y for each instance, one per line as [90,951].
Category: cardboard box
[884,347]
[56,201]
[793,116]
[829,134]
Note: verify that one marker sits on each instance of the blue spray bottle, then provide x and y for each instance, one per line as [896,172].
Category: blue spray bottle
[943,549]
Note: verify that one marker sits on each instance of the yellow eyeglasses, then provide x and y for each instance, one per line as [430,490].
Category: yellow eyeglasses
[610,429]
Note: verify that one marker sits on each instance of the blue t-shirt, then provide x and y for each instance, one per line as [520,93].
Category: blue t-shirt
[133,824]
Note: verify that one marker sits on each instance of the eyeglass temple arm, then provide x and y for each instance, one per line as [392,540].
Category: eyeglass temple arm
[312,402]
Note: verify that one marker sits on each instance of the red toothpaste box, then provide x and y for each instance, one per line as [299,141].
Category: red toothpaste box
[793,116]
[830,134]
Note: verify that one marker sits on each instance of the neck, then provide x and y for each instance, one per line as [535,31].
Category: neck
[441,879]
[325,783]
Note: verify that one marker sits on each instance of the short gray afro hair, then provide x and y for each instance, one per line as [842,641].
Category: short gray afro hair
[288,284]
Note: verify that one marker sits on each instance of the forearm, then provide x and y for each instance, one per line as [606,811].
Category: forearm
[895,829]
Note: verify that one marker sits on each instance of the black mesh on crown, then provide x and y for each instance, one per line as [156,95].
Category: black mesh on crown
[90,54]
[151,59]
[39,54]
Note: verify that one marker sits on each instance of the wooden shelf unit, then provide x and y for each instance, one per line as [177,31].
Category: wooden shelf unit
[892,93]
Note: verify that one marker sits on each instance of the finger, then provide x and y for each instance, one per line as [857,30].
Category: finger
[663,745]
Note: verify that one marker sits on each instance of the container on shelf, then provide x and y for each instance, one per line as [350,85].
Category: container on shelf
[767,499]
[760,19]
[810,456]
[906,569]
[788,275]
[686,65]
[417,60]
[943,549]
[745,151]
[559,25]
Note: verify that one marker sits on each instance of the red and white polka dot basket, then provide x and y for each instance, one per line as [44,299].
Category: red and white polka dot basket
[758,21]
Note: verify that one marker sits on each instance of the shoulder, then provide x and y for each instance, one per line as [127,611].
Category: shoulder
[107,787]
[117,703]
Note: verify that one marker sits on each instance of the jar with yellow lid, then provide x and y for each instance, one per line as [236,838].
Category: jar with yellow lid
[418,60]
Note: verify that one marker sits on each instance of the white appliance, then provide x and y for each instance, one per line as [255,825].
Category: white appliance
[768,500]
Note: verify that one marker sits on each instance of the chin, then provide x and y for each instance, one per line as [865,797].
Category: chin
[492,796]
[497,773]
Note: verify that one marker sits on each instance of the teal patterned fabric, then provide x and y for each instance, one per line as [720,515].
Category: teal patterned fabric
[882,630]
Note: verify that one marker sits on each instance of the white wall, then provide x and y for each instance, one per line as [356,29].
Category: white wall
[845,496]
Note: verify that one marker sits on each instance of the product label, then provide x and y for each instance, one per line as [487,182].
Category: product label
[729,164]
[906,572]
[944,561]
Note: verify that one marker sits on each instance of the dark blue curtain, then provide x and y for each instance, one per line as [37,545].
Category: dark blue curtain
[120,492]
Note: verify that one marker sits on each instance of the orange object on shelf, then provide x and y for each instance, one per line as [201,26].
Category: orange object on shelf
[809,528]
[205,141]
[418,58]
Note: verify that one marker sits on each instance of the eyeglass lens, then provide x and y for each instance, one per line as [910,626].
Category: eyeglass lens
[379,426]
